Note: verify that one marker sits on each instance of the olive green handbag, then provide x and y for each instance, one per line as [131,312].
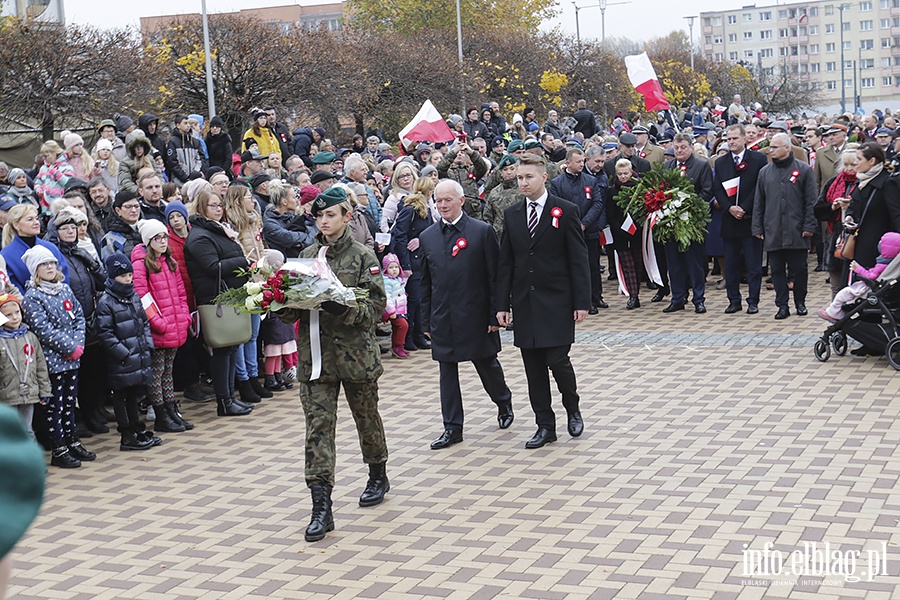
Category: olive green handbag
[222,325]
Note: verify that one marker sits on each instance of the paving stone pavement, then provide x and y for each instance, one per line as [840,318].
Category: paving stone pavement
[705,435]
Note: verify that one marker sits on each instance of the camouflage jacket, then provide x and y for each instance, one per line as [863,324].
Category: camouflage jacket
[349,349]
[501,197]
[467,177]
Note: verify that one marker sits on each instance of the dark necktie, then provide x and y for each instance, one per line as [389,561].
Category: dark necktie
[737,160]
[532,217]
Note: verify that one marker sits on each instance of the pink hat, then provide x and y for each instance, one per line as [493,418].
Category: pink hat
[71,140]
[389,259]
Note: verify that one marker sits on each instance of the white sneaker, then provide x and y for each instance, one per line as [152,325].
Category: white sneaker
[290,374]
[151,414]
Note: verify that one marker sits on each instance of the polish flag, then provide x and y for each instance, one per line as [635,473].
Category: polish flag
[731,187]
[427,126]
[606,237]
[629,225]
[644,80]
[150,306]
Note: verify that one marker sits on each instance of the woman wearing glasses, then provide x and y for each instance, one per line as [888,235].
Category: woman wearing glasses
[122,234]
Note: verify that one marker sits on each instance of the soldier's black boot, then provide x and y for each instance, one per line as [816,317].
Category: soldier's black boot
[377,486]
[322,521]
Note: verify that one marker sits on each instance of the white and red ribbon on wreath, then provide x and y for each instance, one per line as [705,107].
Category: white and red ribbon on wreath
[460,244]
[556,213]
[794,176]
[649,252]
[67,304]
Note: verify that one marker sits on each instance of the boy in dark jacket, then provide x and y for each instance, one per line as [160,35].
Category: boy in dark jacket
[124,333]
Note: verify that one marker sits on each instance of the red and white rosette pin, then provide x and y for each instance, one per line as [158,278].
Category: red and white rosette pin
[794,176]
[741,166]
[556,213]
[28,349]
[587,192]
[683,169]
[643,155]
[67,304]
[460,244]
[471,175]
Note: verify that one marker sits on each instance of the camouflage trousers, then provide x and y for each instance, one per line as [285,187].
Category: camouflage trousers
[320,404]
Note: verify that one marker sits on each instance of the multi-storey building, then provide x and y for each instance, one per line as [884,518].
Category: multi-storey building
[808,41]
[281,17]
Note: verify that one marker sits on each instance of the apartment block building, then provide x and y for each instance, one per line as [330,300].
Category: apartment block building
[279,17]
[808,41]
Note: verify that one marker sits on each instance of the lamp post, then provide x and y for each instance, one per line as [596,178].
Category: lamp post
[577,25]
[210,94]
[690,21]
[842,8]
[462,82]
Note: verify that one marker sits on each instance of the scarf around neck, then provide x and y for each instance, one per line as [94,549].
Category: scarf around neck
[865,178]
[11,334]
[50,287]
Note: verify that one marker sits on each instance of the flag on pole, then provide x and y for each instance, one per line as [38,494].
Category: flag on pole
[644,80]
[731,187]
[628,225]
[606,237]
[427,126]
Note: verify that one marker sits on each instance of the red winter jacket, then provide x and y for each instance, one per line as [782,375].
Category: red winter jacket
[170,327]
[176,247]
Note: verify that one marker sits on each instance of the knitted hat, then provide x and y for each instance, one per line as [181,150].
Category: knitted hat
[329,197]
[150,228]
[7,298]
[217,122]
[176,206]
[69,216]
[320,131]
[72,140]
[117,264]
[37,256]
[22,474]
[190,189]
[122,122]
[15,174]
[427,170]
[104,144]
[389,258]
[308,193]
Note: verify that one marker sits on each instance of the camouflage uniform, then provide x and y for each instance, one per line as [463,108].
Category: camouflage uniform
[350,356]
[467,177]
[493,180]
[553,170]
[501,198]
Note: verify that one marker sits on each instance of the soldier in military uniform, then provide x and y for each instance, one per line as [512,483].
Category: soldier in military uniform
[649,152]
[349,357]
[535,147]
[516,148]
[465,166]
[502,196]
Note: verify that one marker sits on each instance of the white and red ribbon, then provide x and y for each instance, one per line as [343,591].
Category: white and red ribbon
[622,287]
[649,252]
[556,213]
[460,244]
[794,175]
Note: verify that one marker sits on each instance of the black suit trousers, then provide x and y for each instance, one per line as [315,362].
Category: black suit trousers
[539,362]
[795,261]
[491,374]
[751,249]
[593,248]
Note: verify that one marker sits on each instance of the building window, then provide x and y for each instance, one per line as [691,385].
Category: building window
[865,26]
[831,85]
[717,39]
[867,63]
[829,10]
[885,23]
[707,22]
[886,82]
[732,19]
[804,68]
[867,82]
[814,67]
[829,27]
[767,53]
[846,26]
[885,4]
[885,42]
[765,16]
[847,45]
[732,38]
[865,7]
[865,44]
[748,54]
[733,56]
[816,85]
[782,14]
[848,83]
[765,35]
[829,47]
[886,62]
[830,66]
[718,57]
[708,39]
[896,79]
[814,11]
[813,30]
[747,17]
[848,64]
[813,48]
[782,51]
[782,33]
[748,35]
[717,21]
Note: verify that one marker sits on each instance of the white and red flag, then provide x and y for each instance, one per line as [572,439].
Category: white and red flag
[606,237]
[427,126]
[628,225]
[644,80]
[731,187]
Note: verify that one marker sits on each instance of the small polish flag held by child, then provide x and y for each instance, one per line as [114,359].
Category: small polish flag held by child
[150,306]
[606,237]
[731,187]
[629,225]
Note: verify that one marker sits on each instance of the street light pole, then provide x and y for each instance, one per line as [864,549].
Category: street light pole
[210,93]
[842,8]
[602,20]
[690,21]
[577,26]
[459,46]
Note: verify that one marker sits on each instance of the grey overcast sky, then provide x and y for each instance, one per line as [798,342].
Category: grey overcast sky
[636,19]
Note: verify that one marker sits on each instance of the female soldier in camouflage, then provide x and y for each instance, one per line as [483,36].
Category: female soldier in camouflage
[350,357]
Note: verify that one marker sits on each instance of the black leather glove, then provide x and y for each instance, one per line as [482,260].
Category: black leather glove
[334,308]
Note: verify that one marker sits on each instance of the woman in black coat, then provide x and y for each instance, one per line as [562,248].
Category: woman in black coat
[874,205]
[213,256]
[218,144]
[413,218]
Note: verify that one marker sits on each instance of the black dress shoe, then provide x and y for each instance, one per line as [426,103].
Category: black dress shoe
[576,424]
[783,313]
[699,308]
[505,415]
[633,302]
[602,303]
[673,306]
[733,308]
[801,310]
[752,309]
[448,438]
[543,437]
[593,310]
[423,344]
[660,295]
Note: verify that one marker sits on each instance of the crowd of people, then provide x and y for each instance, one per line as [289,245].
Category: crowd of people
[108,252]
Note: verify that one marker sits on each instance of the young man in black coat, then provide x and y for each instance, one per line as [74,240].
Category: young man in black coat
[737,217]
[543,272]
[458,295]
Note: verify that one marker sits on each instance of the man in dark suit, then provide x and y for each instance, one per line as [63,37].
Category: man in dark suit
[458,293]
[737,217]
[688,267]
[543,272]
[627,144]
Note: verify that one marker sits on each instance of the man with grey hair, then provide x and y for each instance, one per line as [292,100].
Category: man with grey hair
[459,275]
[553,126]
[293,163]
[355,171]
[783,218]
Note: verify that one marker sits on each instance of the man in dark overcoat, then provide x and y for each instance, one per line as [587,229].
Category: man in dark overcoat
[458,295]
[543,273]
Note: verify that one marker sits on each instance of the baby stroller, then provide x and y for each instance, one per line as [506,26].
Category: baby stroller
[871,320]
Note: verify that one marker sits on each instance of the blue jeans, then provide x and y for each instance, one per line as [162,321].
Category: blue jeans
[246,363]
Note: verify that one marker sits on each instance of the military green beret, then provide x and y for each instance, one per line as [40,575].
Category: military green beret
[533,144]
[508,159]
[515,145]
[323,158]
[330,197]
[22,473]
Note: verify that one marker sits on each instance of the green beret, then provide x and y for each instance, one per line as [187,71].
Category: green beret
[22,473]
[515,145]
[508,159]
[323,158]
[330,197]
[533,144]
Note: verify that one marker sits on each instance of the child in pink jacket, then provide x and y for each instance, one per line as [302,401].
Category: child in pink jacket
[158,282]
[888,247]
[395,310]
